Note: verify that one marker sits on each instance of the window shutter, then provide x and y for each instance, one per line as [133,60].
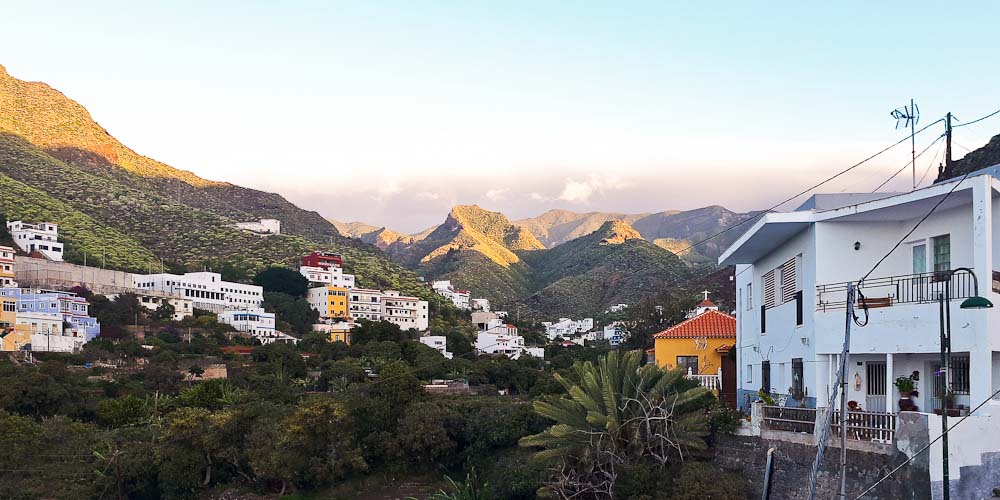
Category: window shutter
[769,289]
[789,281]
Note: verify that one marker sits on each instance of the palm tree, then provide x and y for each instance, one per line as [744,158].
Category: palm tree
[616,414]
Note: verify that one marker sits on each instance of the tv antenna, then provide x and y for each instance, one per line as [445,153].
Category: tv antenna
[908,116]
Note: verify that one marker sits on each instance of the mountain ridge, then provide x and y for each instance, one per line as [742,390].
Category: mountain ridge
[133,210]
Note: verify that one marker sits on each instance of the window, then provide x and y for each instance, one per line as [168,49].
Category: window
[765,376]
[798,384]
[789,280]
[749,374]
[919,259]
[688,363]
[942,252]
[960,374]
[749,296]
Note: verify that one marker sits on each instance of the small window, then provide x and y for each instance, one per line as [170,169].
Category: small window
[960,374]
[749,374]
[688,363]
[942,252]
[765,376]
[749,297]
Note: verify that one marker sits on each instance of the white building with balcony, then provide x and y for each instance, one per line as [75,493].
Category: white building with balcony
[330,275]
[206,290]
[256,322]
[42,238]
[460,298]
[439,343]
[791,275]
[501,338]
[404,312]
[567,327]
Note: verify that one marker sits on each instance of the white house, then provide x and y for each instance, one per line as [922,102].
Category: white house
[206,290]
[791,277]
[500,338]
[263,226]
[405,312]
[438,342]
[480,305]
[617,308]
[256,322]
[458,297]
[152,300]
[330,275]
[567,327]
[48,333]
[365,303]
[614,333]
[42,237]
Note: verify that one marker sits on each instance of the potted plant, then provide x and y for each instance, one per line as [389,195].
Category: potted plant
[904,385]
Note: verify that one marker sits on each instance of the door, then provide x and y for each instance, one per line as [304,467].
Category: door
[875,385]
[728,392]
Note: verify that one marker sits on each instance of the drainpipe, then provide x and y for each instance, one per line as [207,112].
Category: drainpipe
[767,474]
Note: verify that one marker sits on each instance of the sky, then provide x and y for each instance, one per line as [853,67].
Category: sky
[392,112]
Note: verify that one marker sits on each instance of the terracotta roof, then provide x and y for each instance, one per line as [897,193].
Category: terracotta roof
[725,348]
[711,324]
[650,351]
[707,303]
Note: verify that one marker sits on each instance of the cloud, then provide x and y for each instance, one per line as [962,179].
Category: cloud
[580,191]
[539,197]
[497,194]
[427,195]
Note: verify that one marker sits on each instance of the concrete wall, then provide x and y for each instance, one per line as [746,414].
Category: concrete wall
[42,273]
[793,463]
[973,452]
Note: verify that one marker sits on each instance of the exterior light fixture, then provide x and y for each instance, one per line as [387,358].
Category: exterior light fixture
[857,245]
[976,302]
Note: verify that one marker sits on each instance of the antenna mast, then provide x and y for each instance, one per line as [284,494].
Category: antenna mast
[908,116]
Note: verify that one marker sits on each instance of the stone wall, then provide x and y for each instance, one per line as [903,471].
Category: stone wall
[747,455]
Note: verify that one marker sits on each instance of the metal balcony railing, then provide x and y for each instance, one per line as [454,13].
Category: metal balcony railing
[906,289]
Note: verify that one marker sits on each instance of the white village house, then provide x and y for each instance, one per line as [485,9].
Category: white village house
[438,343]
[206,290]
[792,271]
[501,338]
[41,238]
[567,327]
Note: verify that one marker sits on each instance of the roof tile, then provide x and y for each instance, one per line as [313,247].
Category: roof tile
[711,324]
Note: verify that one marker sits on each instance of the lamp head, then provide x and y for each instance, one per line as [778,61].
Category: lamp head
[976,302]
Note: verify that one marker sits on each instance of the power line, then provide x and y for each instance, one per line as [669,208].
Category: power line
[976,120]
[929,166]
[828,179]
[915,226]
[927,446]
[911,162]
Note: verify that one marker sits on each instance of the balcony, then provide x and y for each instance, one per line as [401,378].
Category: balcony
[919,288]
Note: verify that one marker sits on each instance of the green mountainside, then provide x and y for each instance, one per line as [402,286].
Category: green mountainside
[57,164]
[484,252]
[611,265]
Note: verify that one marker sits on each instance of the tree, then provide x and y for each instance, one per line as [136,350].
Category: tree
[377,331]
[282,280]
[165,312]
[616,415]
[293,313]
[125,309]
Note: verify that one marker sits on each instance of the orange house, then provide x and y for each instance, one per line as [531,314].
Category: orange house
[697,344]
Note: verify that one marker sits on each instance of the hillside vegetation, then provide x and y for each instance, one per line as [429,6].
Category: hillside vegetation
[484,252]
[57,164]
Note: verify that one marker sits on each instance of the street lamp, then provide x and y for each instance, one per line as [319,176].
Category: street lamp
[974,302]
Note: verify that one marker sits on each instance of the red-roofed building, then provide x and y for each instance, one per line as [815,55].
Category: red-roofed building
[700,345]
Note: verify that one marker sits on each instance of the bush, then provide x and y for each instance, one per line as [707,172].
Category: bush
[700,480]
[724,420]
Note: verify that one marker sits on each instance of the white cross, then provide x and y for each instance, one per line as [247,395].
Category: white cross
[706,294]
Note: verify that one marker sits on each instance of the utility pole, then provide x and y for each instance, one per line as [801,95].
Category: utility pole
[947,141]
